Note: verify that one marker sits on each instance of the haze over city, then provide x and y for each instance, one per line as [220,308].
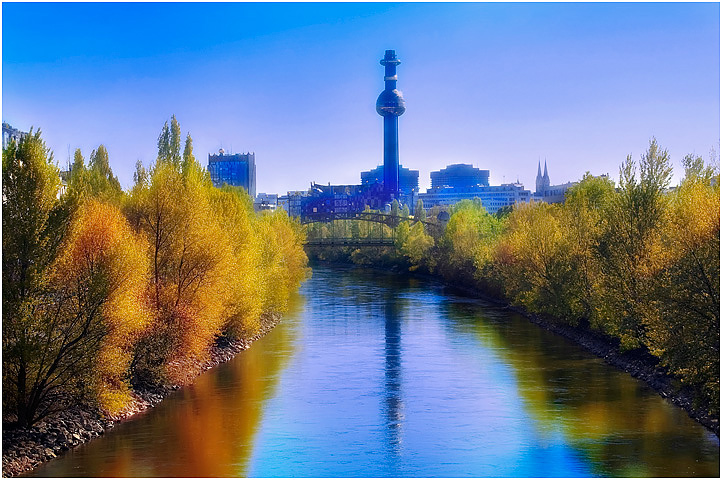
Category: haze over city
[500,86]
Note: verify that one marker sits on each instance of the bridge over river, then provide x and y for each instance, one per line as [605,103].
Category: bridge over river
[337,232]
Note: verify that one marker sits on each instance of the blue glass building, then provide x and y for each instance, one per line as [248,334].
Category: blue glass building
[408,179]
[459,175]
[238,170]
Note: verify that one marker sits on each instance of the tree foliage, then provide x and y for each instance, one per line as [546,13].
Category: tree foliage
[97,298]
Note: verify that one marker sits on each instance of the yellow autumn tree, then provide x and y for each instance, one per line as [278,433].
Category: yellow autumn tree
[532,260]
[283,261]
[189,254]
[100,281]
[684,332]
[244,285]
[468,240]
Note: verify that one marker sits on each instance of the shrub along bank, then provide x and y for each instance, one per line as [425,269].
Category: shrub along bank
[636,265]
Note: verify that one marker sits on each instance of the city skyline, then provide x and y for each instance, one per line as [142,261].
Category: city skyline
[498,86]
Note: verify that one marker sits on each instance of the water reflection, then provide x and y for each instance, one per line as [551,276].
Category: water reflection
[380,375]
[203,430]
[616,423]
[392,372]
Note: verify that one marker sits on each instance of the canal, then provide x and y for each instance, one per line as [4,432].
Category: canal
[378,375]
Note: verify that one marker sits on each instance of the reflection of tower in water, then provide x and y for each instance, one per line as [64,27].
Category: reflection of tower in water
[392,369]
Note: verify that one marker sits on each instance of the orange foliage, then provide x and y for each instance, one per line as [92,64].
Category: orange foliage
[104,266]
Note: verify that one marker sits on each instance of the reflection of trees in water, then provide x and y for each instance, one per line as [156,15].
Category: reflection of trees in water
[205,430]
[607,416]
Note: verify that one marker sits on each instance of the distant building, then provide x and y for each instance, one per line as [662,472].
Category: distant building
[493,197]
[546,192]
[291,202]
[461,181]
[330,199]
[408,179]
[265,201]
[459,175]
[237,169]
[10,133]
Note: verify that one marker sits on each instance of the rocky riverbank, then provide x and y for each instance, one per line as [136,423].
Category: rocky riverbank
[26,448]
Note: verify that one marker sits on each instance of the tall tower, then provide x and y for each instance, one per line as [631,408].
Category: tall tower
[390,105]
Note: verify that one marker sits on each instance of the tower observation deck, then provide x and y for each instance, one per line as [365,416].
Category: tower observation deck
[390,105]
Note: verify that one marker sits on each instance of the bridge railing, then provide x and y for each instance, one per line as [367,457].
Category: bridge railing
[350,242]
[381,238]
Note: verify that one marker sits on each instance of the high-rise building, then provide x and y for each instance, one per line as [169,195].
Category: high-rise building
[237,169]
[460,175]
[408,179]
[391,105]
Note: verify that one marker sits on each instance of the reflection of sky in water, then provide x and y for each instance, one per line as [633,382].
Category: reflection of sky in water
[377,375]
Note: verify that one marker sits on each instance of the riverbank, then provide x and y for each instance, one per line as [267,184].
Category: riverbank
[638,363]
[24,449]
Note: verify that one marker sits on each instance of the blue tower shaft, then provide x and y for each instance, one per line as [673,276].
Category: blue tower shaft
[390,105]
[391,155]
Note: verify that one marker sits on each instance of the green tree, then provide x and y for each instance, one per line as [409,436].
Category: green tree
[188,157]
[78,169]
[32,232]
[419,212]
[533,263]
[164,148]
[630,246]
[582,220]
[468,240]
[417,247]
[175,142]
[395,208]
[405,211]
[103,184]
[31,223]
[140,175]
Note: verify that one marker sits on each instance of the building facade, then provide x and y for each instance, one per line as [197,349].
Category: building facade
[459,175]
[10,133]
[265,201]
[292,202]
[327,199]
[238,170]
[408,179]
[493,197]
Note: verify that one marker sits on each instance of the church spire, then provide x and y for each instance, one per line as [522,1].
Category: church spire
[545,179]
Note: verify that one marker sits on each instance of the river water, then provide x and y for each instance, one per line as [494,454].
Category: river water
[378,375]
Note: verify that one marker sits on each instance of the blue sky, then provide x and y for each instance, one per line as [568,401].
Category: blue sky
[497,85]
